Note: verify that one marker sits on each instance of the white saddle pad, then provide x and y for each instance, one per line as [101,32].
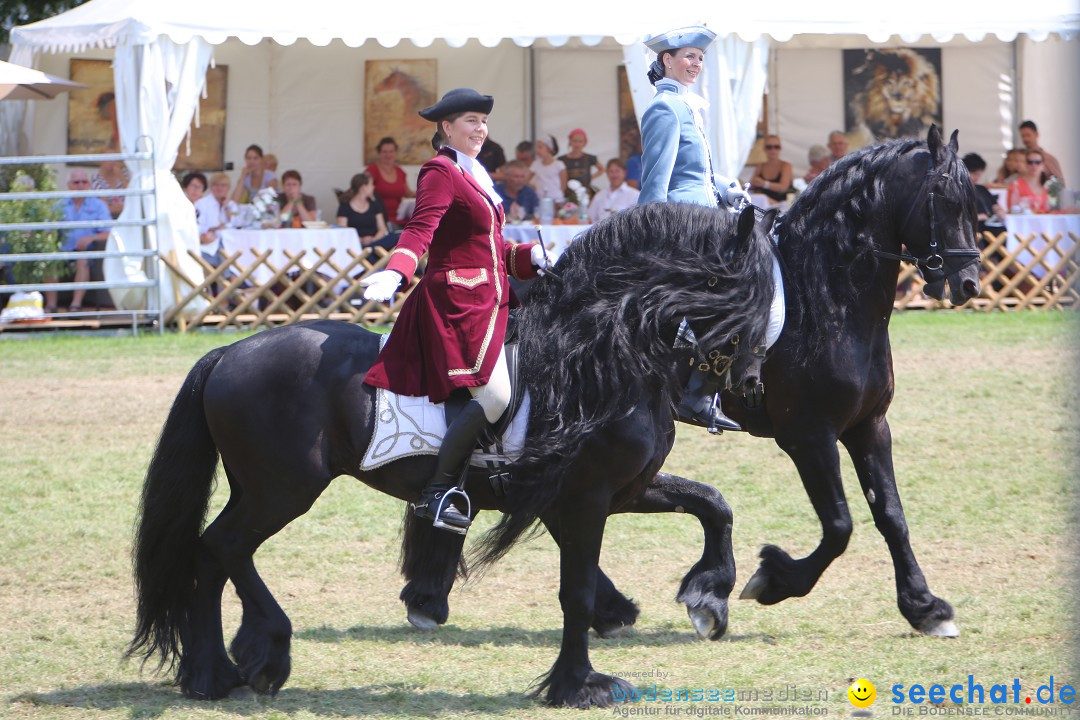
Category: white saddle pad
[406,426]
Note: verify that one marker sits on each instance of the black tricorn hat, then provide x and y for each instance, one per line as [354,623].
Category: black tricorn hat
[458,101]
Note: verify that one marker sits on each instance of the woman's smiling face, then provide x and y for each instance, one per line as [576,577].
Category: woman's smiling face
[684,65]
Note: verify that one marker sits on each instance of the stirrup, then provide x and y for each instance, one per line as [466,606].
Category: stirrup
[423,510]
[718,421]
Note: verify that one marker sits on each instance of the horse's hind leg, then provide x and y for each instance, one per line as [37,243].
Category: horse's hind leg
[262,644]
[614,613]
[706,588]
[430,562]
[870,447]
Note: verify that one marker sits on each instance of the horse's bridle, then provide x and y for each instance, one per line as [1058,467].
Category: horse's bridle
[932,266]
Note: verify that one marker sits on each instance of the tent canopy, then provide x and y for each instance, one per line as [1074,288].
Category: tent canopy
[107,23]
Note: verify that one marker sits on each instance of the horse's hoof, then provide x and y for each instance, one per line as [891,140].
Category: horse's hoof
[242,692]
[420,621]
[704,621]
[755,587]
[940,628]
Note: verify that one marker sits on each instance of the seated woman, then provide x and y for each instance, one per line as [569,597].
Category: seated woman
[296,207]
[580,165]
[1026,193]
[360,209]
[391,183]
[254,178]
[772,178]
[549,174]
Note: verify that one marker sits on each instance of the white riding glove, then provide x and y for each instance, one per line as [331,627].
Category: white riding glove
[381,286]
[736,197]
[538,258]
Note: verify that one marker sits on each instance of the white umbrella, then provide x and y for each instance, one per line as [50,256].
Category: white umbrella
[22,83]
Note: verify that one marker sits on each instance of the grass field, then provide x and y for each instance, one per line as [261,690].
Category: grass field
[984,425]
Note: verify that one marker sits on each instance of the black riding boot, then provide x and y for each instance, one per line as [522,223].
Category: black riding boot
[700,404]
[456,448]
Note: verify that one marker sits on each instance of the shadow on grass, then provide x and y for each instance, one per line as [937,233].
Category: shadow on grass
[149,701]
[503,636]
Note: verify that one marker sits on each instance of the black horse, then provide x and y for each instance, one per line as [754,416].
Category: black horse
[287,411]
[829,376]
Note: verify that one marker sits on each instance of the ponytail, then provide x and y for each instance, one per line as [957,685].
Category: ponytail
[656,70]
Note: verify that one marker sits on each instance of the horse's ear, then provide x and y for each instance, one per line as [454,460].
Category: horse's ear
[933,141]
[953,144]
[747,218]
[767,220]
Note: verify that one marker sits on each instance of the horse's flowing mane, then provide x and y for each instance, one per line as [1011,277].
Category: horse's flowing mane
[828,237]
[596,334]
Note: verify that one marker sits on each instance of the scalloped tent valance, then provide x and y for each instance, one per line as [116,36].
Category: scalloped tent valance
[108,23]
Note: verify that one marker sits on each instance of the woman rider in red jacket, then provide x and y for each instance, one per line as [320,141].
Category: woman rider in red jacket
[449,333]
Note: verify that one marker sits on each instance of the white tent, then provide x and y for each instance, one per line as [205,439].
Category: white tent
[162,49]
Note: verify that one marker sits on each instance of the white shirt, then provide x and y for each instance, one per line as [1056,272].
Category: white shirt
[546,179]
[479,174]
[608,202]
[212,214]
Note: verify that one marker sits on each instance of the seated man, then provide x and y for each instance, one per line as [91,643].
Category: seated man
[616,197]
[214,211]
[86,209]
[519,200]
[819,158]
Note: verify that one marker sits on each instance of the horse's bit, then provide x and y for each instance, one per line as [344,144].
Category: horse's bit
[932,266]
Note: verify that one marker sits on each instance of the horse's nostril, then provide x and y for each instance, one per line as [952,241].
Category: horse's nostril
[971,288]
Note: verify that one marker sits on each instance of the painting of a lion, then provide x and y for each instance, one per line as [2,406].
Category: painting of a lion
[891,93]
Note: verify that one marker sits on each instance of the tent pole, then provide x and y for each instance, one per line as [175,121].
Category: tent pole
[530,71]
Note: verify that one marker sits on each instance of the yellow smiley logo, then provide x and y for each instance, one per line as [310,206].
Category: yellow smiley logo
[862,693]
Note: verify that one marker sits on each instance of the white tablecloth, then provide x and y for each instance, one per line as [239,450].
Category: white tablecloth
[1063,230]
[247,242]
[556,237]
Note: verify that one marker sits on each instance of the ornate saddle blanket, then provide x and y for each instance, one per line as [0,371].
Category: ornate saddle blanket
[406,426]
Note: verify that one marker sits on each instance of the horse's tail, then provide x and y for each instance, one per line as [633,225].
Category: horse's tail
[175,497]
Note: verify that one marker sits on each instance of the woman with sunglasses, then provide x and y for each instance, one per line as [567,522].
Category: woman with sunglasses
[1027,192]
[772,178]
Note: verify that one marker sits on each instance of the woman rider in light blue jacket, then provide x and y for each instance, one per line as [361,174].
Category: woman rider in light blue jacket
[676,166]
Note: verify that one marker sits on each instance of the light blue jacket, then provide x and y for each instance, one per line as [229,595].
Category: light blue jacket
[674,155]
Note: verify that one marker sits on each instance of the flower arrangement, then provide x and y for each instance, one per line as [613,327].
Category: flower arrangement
[567,210]
[577,196]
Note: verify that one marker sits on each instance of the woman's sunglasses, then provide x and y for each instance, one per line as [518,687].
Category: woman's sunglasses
[772,147]
[1034,162]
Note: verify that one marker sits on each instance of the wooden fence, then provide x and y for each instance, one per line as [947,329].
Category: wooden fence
[311,285]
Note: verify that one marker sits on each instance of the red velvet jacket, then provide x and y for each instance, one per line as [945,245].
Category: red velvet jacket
[450,330]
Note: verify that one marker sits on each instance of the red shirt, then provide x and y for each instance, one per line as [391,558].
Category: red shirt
[390,193]
[450,330]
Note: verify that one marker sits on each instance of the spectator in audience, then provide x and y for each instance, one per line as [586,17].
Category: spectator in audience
[1027,193]
[579,164]
[616,197]
[549,174]
[254,178]
[819,159]
[213,212]
[519,200]
[1012,168]
[986,205]
[525,153]
[270,162]
[194,185]
[1029,135]
[772,178]
[837,145]
[112,175]
[391,184]
[361,210]
[492,158]
[79,239]
[296,207]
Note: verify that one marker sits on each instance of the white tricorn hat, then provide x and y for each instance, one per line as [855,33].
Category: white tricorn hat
[695,36]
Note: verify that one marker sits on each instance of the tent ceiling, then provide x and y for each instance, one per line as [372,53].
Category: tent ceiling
[106,23]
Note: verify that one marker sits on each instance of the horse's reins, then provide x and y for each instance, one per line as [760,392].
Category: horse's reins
[932,266]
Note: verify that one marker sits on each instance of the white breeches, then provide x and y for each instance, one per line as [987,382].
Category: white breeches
[495,396]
